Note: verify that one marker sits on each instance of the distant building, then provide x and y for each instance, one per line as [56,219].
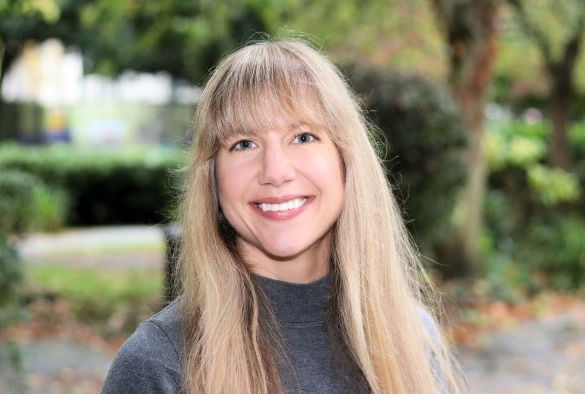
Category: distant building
[50,99]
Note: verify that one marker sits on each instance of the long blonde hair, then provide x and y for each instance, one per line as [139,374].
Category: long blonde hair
[378,284]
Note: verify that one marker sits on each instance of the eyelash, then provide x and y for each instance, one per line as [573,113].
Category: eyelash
[314,138]
[235,146]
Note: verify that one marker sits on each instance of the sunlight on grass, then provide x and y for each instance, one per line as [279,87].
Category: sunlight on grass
[97,295]
[109,285]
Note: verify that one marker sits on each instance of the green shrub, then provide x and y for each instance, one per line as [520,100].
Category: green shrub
[103,186]
[553,185]
[423,138]
[10,271]
[12,366]
[577,140]
[533,218]
[16,191]
[27,204]
[515,143]
[11,310]
[556,247]
[50,207]
[16,200]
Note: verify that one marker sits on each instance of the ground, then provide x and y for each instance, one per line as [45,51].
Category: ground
[544,354]
[535,347]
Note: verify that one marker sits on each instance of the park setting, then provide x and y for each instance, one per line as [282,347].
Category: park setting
[477,114]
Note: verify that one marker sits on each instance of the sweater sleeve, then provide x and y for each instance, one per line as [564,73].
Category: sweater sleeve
[148,362]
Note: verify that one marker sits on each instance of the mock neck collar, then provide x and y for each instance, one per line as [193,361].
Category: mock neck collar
[298,303]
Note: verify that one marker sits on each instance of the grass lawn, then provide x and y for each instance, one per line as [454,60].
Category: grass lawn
[114,300]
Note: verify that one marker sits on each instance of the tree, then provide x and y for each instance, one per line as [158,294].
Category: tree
[423,136]
[187,37]
[182,37]
[394,34]
[469,30]
[22,21]
[557,28]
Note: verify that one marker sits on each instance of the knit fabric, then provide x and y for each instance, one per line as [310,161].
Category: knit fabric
[150,360]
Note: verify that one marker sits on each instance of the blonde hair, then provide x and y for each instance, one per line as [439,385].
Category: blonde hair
[377,281]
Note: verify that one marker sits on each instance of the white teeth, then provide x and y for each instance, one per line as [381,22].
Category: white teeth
[285,206]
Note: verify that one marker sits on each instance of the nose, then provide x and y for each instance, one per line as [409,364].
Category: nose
[277,167]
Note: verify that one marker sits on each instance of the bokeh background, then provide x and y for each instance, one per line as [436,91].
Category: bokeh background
[480,106]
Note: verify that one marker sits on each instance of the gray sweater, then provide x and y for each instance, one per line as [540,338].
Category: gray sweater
[150,360]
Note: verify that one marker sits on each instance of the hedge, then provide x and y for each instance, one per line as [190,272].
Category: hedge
[106,185]
[422,139]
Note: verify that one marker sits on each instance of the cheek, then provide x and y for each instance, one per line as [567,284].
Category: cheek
[225,184]
[231,183]
[329,168]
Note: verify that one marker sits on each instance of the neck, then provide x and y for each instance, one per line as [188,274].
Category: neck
[295,303]
[305,267]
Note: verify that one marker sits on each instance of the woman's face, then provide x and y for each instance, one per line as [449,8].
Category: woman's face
[282,190]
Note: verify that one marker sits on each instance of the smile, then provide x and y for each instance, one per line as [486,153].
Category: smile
[282,208]
[285,206]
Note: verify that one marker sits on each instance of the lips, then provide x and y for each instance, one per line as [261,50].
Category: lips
[281,199]
[283,207]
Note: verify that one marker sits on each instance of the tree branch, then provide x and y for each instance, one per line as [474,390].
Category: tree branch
[532,30]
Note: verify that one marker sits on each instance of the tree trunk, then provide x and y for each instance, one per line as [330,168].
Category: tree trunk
[561,73]
[560,108]
[471,34]
[7,57]
[562,79]
[461,253]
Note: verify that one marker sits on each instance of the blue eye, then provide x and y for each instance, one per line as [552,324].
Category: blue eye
[305,138]
[243,145]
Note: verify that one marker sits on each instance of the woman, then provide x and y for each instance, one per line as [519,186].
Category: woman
[297,272]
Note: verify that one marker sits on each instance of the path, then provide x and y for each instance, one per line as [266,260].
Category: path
[535,357]
[57,366]
[63,363]
[108,247]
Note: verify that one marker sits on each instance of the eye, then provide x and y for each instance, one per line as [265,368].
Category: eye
[304,138]
[242,145]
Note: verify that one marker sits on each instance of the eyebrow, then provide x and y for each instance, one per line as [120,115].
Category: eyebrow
[237,133]
[252,132]
[298,125]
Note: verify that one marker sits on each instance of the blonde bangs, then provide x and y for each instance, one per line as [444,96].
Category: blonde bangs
[264,90]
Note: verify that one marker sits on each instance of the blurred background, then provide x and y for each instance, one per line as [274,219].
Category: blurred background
[481,104]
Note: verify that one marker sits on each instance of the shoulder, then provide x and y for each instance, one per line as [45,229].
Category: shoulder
[150,360]
[429,324]
[432,330]
[168,322]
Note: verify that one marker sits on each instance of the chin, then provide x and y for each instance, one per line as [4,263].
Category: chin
[283,251]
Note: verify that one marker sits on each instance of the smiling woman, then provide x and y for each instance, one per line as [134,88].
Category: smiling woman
[282,192]
[297,272]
